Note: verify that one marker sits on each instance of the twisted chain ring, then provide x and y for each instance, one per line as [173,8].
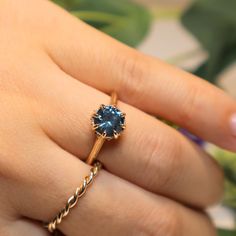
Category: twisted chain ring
[80,191]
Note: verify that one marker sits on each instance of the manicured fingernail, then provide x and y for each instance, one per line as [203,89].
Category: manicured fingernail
[233,124]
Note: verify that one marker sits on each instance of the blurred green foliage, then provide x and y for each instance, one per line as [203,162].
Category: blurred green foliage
[222,232]
[122,19]
[213,23]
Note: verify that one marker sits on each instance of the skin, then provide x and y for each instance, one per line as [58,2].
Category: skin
[54,71]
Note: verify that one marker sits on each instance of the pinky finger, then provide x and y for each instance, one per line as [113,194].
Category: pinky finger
[23,227]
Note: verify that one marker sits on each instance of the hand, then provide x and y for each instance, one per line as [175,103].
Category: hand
[54,71]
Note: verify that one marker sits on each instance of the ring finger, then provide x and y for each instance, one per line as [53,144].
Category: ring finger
[162,159]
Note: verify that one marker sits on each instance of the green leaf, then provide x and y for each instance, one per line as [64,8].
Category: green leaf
[124,20]
[224,232]
[213,23]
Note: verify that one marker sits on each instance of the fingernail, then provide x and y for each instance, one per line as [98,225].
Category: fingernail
[233,124]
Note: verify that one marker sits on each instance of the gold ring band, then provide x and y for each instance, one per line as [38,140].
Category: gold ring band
[98,117]
[73,200]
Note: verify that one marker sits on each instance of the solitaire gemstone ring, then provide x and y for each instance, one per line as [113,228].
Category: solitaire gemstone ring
[108,122]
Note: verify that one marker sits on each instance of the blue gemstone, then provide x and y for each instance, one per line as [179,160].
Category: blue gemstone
[108,120]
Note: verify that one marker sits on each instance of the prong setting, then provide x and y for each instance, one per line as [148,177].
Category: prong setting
[108,122]
[95,126]
[116,135]
[104,134]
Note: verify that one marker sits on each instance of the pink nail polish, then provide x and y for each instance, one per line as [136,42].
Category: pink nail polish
[233,124]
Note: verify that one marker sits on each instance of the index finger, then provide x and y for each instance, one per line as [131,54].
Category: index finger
[145,82]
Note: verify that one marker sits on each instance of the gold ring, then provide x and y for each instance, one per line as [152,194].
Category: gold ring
[73,200]
[108,122]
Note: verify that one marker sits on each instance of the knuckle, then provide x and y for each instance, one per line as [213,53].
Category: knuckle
[191,104]
[161,222]
[162,160]
[173,161]
[132,74]
[174,225]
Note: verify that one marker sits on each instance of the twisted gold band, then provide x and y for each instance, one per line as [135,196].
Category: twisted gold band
[80,191]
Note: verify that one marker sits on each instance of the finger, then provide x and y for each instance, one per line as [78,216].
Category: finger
[162,159]
[111,206]
[145,82]
[21,226]
[25,227]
